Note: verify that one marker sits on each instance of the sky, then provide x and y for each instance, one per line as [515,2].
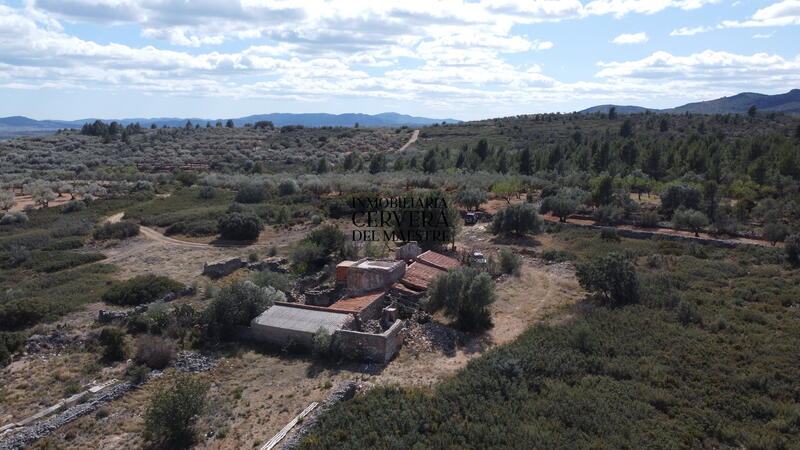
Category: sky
[75,59]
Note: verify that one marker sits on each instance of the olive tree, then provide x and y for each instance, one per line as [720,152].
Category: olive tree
[7,200]
[690,219]
[519,219]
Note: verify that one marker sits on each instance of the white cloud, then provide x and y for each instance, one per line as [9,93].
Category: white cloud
[763,35]
[784,13]
[685,31]
[633,38]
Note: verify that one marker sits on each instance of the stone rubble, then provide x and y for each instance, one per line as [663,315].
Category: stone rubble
[344,391]
[184,362]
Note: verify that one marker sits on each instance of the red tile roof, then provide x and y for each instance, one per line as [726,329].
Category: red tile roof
[418,275]
[438,260]
[356,304]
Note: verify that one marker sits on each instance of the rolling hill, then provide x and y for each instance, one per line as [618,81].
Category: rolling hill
[788,103]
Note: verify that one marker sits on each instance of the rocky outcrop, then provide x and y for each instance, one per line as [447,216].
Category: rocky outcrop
[223,267]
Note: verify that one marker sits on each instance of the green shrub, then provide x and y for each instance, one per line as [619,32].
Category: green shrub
[689,219]
[140,289]
[250,193]
[174,408]
[10,343]
[241,301]
[510,262]
[465,295]
[519,219]
[119,230]
[648,219]
[609,215]
[276,280]
[207,192]
[612,277]
[73,206]
[240,226]
[115,347]
[321,343]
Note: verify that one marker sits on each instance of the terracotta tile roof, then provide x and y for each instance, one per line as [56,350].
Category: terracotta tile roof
[438,260]
[418,276]
[404,289]
[356,304]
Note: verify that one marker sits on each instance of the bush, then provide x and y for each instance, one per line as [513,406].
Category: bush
[609,234]
[250,193]
[273,279]
[648,219]
[10,343]
[14,217]
[792,248]
[510,262]
[140,289]
[611,277]
[154,351]
[241,301]
[608,215]
[173,411]
[288,187]
[465,294]
[321,343]
[114,346]
[237,226]
[207,192]
[73,206]
[518,219]
[118,230]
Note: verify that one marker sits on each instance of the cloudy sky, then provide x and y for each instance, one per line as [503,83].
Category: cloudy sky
[72,59]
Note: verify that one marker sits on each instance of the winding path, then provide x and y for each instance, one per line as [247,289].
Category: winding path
[156,236]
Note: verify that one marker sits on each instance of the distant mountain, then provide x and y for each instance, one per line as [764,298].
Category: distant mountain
[22,126]
[788,103]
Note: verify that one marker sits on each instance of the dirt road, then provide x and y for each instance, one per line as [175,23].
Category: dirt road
[414,137]
[156,236]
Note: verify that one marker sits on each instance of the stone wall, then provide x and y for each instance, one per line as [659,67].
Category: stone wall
[373,347]
[223,267]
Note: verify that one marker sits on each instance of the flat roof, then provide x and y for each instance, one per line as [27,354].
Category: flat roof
[301,319]
[377,264]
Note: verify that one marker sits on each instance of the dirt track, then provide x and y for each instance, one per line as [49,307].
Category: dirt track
[414,137]
[156,236]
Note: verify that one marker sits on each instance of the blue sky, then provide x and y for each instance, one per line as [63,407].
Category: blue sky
[73,59]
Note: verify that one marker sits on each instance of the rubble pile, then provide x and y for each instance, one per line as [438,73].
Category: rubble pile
[428,336]
[193,362]
[53,342]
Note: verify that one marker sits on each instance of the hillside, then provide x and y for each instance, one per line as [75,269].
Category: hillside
[788,103]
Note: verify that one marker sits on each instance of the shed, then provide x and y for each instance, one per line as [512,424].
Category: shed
[286,322]
[367,306]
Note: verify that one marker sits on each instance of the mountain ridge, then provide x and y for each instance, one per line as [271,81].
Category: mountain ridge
[788,103]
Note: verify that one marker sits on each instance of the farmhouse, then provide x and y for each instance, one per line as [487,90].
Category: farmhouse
[369,286]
